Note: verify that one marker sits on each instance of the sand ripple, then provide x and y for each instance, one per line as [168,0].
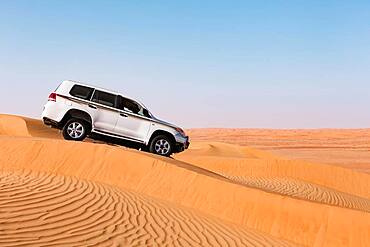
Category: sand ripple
[41,209]
[304,190]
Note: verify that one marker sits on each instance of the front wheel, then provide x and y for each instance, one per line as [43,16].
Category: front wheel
[161,145]
[75,129]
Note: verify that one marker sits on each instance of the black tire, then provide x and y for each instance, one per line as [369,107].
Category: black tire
[78,133]
[161,145]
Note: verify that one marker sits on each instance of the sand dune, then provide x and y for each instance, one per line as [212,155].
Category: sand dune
[13,126]
[214,191]
[240,165]
[42,209]
[347,148]
[258,163]
[286,138]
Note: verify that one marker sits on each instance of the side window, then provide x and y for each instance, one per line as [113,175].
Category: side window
[128,105]
[104,98]
[132,106]
[81,92]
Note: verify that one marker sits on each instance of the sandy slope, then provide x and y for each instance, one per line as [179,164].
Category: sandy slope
[256,163]
[44,209]
[248,194]
[305,190]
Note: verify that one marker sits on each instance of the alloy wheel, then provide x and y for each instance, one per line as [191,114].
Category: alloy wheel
[75,130]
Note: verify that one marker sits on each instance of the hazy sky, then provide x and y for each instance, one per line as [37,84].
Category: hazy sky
[279,64]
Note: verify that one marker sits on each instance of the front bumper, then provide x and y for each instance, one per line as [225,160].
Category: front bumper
[181,146]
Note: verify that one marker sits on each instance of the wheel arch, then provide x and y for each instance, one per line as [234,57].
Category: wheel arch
[162,132]
[75,113]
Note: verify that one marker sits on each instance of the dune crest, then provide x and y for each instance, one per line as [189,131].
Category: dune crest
[13,126]
[243,189]
[188,186]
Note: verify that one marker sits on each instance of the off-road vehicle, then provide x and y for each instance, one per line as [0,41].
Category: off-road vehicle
[80,110]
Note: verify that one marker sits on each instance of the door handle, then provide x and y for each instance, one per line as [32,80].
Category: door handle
[91,106]
[123,115]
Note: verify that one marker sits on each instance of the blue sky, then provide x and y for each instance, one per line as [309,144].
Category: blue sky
[274,64]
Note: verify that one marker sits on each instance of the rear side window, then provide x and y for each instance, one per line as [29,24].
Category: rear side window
[81,92]
[104,98]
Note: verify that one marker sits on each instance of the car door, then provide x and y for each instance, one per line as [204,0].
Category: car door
[103,104]
[81,99]
[132,122]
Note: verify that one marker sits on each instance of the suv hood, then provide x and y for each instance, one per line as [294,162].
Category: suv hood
[164,123]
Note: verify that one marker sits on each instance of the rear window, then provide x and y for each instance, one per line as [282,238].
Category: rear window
[104,98]
[81,92]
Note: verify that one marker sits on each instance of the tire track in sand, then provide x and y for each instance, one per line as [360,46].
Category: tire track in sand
[41,209]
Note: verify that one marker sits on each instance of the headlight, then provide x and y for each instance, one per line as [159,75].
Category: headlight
[181,131]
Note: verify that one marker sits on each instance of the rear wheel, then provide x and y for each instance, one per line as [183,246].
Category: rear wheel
[161,145]
[75,129]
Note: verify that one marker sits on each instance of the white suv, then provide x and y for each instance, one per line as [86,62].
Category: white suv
[80,110]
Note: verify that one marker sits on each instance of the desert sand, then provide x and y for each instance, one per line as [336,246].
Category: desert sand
[62,193]
[348,148]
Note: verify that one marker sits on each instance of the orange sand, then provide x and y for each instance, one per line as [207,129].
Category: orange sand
[349,148]
[215,194]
